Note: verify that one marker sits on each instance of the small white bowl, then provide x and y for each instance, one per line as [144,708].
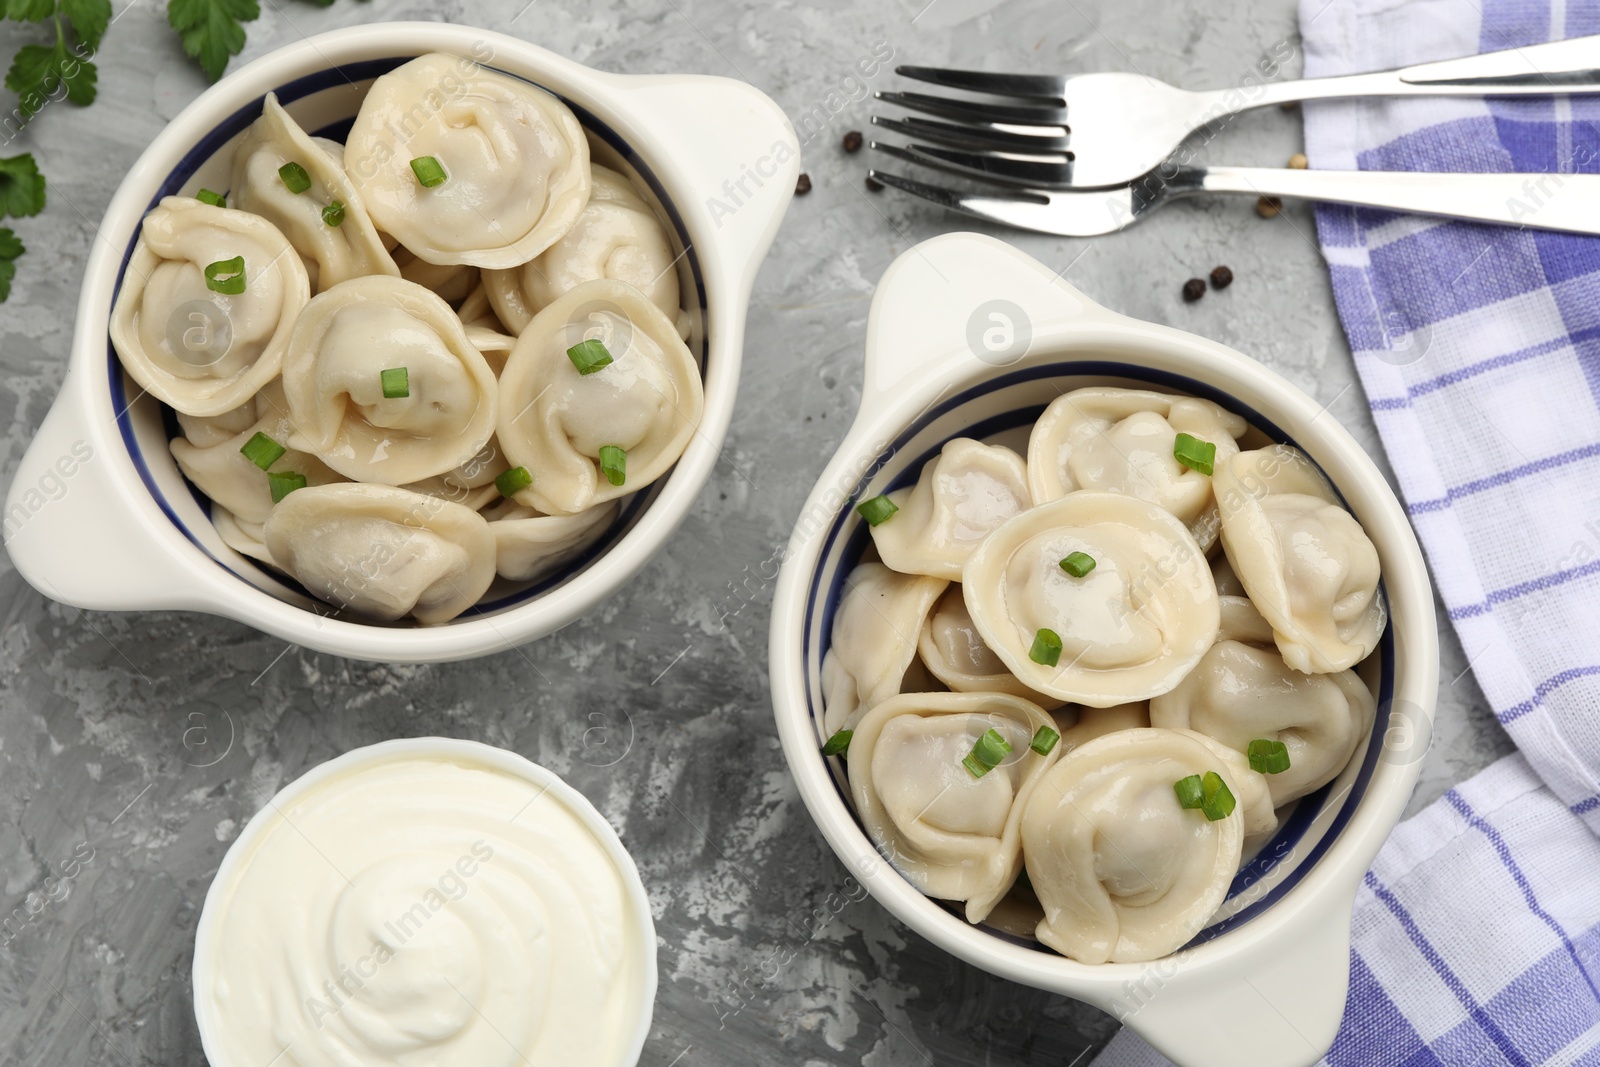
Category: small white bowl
[99,515]
[970,337]
[442,748]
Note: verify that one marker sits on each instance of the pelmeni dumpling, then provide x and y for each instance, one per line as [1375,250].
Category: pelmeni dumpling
[332,253]
[1124,872]
[1130,628]
[454,282]
[556,420]
[332,375]
[528,544]
[1309,567]
[1121,441]
[203,431]
[203,351]
[514,159]
[952,650]
[875,633]
[953,835]
[960,497]
[383,552]
[1243,691]
[616,236]
[1079,726]
[247,539]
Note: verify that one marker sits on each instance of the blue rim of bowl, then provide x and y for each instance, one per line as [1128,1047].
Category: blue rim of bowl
[1286,838]
[226,130]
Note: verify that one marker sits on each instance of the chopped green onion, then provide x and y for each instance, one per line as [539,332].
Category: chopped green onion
[1194,453]
[428,171]
[1044,740]
[1218,802]
[589,356]
[226,276]
[1078,564]
[285,482]
[333,214]
[1268,757]
[876,510]
[295,177]
[988,752]
[396,383]
[513,481]
[838,743]
[614,464]
[1191,791]
[1046,648]
[262,450]
[206,196]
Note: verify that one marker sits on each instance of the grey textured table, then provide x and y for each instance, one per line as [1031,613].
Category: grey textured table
[147,739]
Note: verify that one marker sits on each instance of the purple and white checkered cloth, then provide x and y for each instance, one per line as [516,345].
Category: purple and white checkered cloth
[1477,933]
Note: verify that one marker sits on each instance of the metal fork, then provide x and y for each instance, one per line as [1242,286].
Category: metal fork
[1123,126]
[1568,202]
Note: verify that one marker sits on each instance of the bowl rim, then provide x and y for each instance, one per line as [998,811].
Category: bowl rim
[449,749]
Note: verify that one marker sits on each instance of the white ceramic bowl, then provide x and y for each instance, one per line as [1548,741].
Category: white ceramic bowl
[99,515]
[442,748]
[970,337]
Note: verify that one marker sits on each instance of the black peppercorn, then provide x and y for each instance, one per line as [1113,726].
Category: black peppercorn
[1221,277]
[873,184]
[852,141]
[802,185]
[1193,290]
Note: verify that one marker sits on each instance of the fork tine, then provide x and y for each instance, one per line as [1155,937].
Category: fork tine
[1051,172]
[965,111]
[1046,87]
[984,138]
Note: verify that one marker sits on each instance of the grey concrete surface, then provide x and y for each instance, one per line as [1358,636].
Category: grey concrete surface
[148,739]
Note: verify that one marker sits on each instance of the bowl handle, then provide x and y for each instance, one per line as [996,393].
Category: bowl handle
[73,525]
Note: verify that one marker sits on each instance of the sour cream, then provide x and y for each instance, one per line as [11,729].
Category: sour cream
[425,903]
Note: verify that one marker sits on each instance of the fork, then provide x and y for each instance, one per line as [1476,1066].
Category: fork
[1567,202]
[1122,126]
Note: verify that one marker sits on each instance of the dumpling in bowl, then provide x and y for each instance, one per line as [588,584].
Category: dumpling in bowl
[961,496]
[528,544]
[1122,441]
[383,384]
[1309,567]
[874,640]
[598,399]
[954,652]
[616,236]
[466,165]
[207,305]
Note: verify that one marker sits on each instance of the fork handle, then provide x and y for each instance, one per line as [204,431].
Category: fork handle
[1569,202]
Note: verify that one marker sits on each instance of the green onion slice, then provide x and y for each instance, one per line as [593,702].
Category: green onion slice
[1044,740]
[1046,648]
[294,177]
[589,356]
[838,743]
[1194,453]
[1268,757]
[428,171]
[876,510]
[333,214]
[262,450]
[1218,802]
[285,482]
[614,464]
[513,481]
[226,276]
[1191,791]
[1078,564]
[988,752]
[206,196]
[396,383]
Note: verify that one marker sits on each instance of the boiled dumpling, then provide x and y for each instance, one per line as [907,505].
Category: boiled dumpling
[453,282]
[1243,691]
[345,340]
[616,236]
[203,431]
[953,835]
[642,398]
[1079,726]
[1309,567]
[383,552]
[528,544]
[193,344]
[952,650]
[332,253]
[1121,441]
[875,632]
[1124,872]
[1129,628]
[514,160]
[960,497]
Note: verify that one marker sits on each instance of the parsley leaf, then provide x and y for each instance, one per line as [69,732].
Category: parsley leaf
[21,187]
[10,249]
[89,18]
[28,10]
[39,72]
[211,30]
